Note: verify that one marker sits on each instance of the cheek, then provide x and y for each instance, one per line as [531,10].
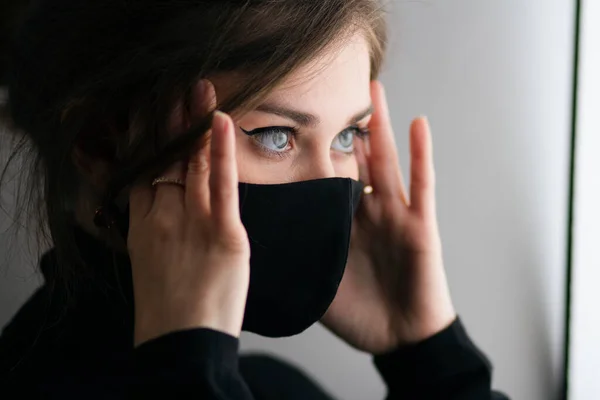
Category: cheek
[347,167]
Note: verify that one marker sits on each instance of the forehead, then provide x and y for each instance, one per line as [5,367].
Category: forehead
[341,75]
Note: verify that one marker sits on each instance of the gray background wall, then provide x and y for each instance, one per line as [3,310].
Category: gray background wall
[495,79]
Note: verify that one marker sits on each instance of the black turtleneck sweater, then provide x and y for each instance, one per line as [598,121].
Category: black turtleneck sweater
[83,349]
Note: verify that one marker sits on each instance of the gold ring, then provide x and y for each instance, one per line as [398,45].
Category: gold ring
[170,181]
[368,190]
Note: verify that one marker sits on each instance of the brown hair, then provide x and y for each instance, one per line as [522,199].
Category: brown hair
[79,70]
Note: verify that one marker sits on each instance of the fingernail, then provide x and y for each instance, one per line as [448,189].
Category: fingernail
[203,97]
[201,86]
[207,94]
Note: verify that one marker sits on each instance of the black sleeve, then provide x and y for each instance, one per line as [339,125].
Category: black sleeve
[198,363]
[446,366]
[192,364]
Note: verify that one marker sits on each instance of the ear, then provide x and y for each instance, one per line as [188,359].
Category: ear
[95,171]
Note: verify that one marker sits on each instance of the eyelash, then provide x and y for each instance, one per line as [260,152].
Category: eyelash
[360,133]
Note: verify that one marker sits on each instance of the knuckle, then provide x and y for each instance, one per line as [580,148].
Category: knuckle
[233,239]
[195,168]
[198,164]
[223,188]
[426,186]
[220,154]
[164,226]
[224,193]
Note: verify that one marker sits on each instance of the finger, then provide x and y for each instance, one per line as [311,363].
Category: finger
[224,199]
[170,197]
[177,122]
[197,192]
[422,179]
[141,198]
[383,160]
[203,100]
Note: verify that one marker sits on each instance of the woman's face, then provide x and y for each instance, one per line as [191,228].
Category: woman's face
[307,126]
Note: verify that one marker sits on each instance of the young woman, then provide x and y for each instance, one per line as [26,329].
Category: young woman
[175,226]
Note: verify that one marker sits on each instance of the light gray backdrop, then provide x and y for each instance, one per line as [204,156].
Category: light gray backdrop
[494,77]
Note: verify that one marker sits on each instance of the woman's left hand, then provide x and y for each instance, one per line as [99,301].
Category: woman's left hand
[394,291]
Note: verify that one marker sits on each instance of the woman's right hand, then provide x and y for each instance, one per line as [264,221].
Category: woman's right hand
[189,251]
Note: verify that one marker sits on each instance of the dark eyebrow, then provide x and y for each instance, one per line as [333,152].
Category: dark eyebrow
[306,119]
[299,117]
[362,115]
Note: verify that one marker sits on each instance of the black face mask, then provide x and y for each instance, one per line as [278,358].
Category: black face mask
[299,240]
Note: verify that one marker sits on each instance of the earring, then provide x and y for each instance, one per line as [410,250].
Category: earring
[104,217]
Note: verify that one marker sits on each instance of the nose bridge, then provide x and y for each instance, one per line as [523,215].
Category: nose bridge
[319,165]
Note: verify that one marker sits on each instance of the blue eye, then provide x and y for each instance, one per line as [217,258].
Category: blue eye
[276,141]
[344,141]
[273,139]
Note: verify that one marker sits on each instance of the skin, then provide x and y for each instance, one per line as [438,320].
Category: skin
[330,92]
[190,252]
